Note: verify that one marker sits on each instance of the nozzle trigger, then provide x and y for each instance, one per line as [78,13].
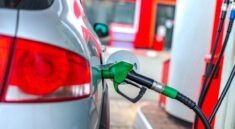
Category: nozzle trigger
[138,97]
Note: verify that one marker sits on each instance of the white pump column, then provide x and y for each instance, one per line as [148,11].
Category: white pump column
[191,42]
[225,118]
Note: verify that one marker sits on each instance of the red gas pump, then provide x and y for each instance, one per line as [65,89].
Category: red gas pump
[149,22]
[213,93]
[144,26]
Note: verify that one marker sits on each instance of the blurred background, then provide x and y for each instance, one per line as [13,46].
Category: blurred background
[173,41]
[122,17]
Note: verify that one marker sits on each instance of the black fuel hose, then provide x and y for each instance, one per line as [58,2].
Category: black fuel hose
[192,105]
[207,87]
[169,92]
[210,73]
[223,94]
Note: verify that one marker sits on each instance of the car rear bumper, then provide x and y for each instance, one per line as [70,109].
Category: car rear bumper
[80,114]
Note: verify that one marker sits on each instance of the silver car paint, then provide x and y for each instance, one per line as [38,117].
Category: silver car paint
[64,115]
[8,22]
[56,27]
[49,27]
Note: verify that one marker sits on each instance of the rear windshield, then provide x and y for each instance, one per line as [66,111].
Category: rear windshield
[26,4]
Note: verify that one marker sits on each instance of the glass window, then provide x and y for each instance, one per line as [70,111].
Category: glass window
[165,23]
[124,12]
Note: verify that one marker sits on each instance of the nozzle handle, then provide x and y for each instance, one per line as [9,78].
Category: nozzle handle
[140,79]
[135,99]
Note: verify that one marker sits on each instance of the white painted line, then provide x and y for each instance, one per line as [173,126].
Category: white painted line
[152,53]
[140,121]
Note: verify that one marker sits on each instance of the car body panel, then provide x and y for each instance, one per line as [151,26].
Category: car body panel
[105,111]
[47,26]
[64,115]
[61,26]
[8,21]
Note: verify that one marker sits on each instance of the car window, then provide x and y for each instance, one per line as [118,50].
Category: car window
[26,4]
[124,12]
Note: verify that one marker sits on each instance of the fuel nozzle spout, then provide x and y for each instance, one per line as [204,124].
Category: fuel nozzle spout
[123,72]
[118,72]
[152,84]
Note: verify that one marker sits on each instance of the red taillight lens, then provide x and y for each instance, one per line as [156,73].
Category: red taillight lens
[42,72]
[5,46]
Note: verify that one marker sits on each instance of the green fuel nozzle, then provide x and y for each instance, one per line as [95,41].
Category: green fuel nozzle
[118,72]
[123,72]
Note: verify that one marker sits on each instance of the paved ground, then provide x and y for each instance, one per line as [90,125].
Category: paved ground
[159,119]
[122,114]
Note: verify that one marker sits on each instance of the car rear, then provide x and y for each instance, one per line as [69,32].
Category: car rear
[45,71]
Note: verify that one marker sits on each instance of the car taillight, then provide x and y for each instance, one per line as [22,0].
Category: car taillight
[41,72]
[5,47]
